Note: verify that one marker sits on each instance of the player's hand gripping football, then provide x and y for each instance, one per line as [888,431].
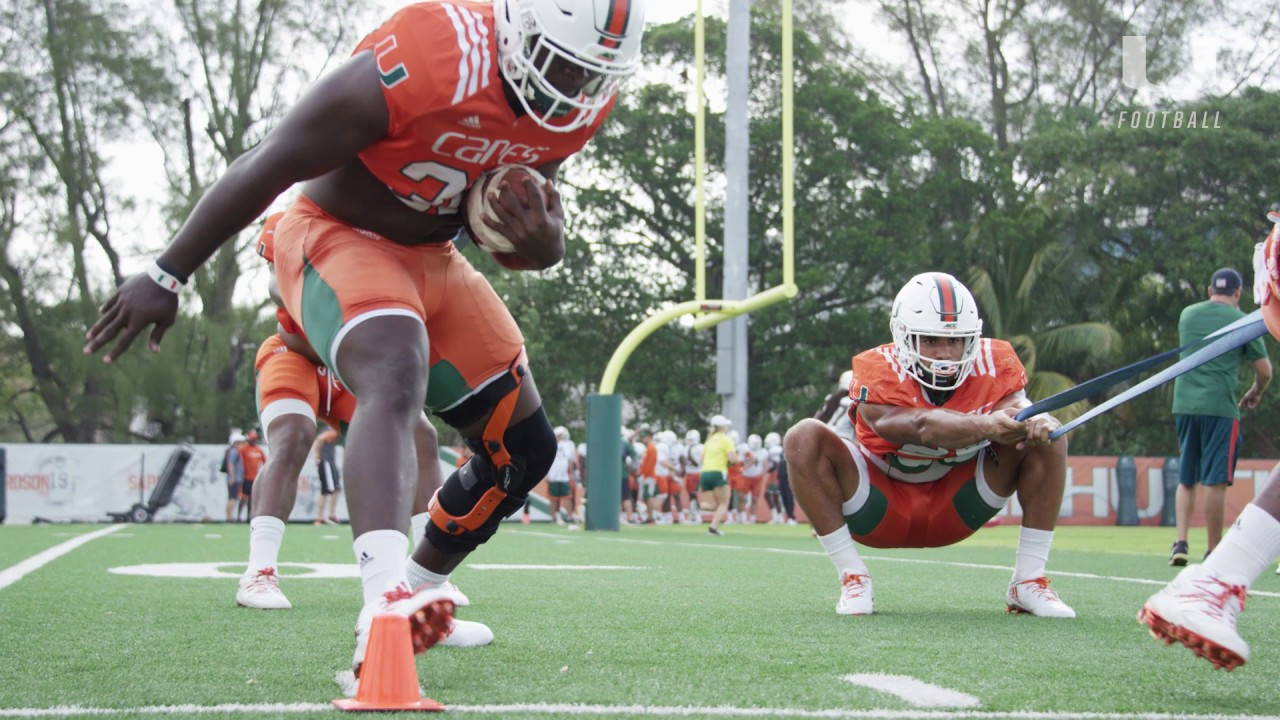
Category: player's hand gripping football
[532,218]
[137,304]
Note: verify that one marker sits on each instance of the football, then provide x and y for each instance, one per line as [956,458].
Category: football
[479,204]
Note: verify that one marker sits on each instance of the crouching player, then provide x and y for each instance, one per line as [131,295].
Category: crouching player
[937,451]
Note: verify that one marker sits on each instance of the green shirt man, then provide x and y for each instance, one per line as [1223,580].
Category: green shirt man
[1207,414]
[1211,388]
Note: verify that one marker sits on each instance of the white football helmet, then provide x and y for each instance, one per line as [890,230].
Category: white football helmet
[754,442]
[772,440]
[935,304]
[693,437]
[561,432]
[538,38]
[846,379]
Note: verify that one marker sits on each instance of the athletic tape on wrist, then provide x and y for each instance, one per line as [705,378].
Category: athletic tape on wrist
[164,279]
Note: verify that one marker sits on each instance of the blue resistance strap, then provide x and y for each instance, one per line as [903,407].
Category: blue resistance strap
[1240,332]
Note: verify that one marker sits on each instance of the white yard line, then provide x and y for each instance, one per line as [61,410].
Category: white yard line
[566,709]
[15,573]
[914,692]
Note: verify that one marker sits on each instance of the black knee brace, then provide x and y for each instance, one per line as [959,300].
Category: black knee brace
[467,509]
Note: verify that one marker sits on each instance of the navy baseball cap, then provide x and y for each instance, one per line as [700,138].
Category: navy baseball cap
[1225,281]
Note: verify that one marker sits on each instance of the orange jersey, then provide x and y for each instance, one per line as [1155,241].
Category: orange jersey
[450,120]
[253,459]
[879,379]
[649,465]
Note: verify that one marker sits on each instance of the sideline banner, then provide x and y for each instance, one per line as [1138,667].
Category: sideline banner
[63,483]
[1091,497]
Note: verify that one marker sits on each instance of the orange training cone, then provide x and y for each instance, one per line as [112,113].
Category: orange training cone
[389,677]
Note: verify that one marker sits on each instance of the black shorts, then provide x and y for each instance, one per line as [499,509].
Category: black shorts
[246,490]
[330,481]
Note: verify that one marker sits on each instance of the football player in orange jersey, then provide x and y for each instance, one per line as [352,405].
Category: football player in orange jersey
[1199,608]
[386,145]
[937,451]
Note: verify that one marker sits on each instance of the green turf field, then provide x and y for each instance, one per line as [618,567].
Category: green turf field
[683,624]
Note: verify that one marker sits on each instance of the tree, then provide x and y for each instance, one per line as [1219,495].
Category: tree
[73,87]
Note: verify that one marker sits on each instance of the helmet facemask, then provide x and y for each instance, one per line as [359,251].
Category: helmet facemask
[934,373]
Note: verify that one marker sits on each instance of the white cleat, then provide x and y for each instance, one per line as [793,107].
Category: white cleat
[1034,597]
[1198,609]
[467,634]
[261,591]
[430,614]
[459,598]
[856,595]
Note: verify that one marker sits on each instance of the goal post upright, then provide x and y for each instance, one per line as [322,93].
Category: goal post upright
[604,408]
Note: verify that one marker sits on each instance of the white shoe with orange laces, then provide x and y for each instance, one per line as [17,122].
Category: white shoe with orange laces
[261,591]
[1198,609]
[856,595]
[430,614]
[1036,598]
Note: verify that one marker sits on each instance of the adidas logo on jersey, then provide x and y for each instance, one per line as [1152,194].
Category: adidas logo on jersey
[471,121]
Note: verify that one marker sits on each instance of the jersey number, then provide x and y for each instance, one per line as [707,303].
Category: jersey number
[441,187]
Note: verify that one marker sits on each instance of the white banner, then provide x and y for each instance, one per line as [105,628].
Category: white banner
[84,483]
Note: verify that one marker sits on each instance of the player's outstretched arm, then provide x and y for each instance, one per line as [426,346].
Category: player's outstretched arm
[337,118]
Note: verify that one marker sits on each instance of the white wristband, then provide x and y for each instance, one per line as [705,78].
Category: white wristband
[162,278]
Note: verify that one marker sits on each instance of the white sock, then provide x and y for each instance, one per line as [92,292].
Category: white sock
[420,576]
[1249,547]
[1033,554]
[266,533]
[418,529]
[380,554]
[843,553]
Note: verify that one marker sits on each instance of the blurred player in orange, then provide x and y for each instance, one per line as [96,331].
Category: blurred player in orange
[253,457]
[1200,606]
[937,450]
[386,145]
